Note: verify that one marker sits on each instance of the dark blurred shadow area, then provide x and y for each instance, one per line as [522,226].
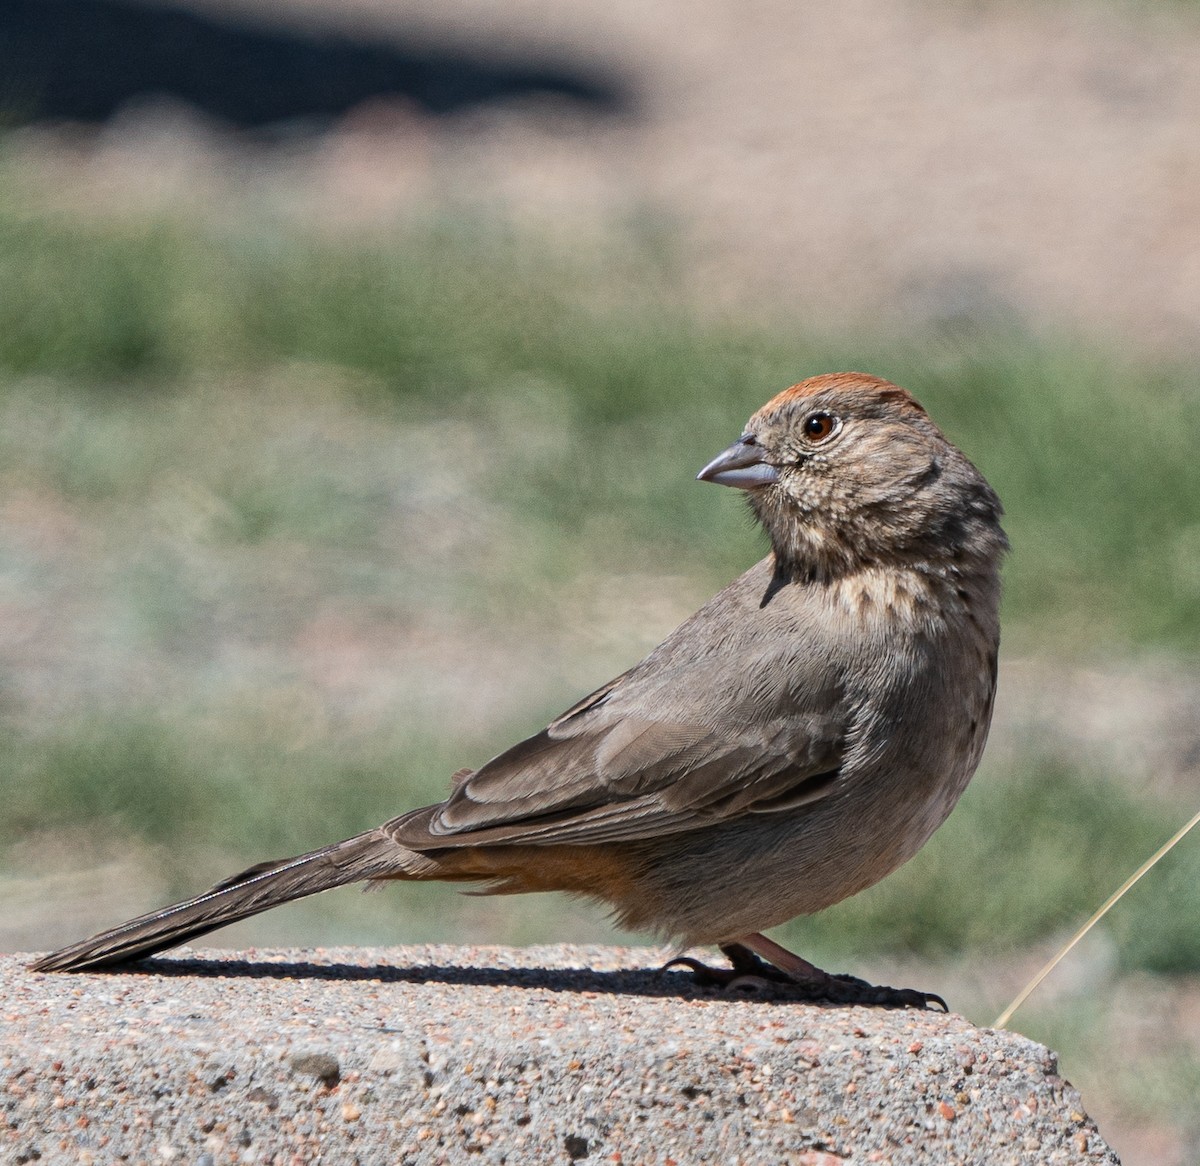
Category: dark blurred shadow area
[83,60]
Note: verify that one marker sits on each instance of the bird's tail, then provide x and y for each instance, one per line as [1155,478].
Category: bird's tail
[365,856]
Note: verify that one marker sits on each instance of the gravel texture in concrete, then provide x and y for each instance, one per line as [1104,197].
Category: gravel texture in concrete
[425,1055]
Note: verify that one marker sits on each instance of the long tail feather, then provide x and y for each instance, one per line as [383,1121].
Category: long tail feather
[369,855]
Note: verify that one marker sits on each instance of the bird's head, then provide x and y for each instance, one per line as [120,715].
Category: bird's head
[846,470]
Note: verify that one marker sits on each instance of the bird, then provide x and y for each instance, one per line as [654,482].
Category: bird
[796,740]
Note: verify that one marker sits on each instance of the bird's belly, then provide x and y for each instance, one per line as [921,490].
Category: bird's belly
[761,870]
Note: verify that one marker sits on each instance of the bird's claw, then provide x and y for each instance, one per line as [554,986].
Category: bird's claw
[728,980]
[844,989]
[829,989]
[703,976]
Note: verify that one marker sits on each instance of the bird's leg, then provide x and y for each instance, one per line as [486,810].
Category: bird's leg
[760,963]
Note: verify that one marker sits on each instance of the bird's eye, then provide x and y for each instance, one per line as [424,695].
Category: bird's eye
[819,426]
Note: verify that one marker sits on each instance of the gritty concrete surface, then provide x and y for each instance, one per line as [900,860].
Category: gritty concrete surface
[427,1055]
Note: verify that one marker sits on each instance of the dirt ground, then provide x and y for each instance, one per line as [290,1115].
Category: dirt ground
[878,161]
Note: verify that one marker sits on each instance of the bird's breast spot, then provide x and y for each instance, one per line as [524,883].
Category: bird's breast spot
[886,598]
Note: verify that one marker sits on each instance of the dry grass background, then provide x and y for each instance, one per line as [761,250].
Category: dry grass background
[259,580]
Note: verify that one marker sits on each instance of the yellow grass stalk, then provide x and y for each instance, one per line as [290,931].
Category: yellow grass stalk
[1002,1020]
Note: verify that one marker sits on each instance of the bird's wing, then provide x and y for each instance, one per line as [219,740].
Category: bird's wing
[733,714]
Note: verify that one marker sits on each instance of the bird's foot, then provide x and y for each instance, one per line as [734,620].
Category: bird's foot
[751,975]
[843,989]
[746,973]
[706,976]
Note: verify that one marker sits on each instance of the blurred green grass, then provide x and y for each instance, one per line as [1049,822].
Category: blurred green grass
[622,389]
[242,418]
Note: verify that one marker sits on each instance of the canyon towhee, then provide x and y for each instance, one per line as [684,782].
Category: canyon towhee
[793,742]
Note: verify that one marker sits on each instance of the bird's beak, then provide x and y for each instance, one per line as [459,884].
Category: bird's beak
[741,465]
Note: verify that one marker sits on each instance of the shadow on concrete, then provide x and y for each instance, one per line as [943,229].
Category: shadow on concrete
[677,983]
[82,60]
[638,982]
